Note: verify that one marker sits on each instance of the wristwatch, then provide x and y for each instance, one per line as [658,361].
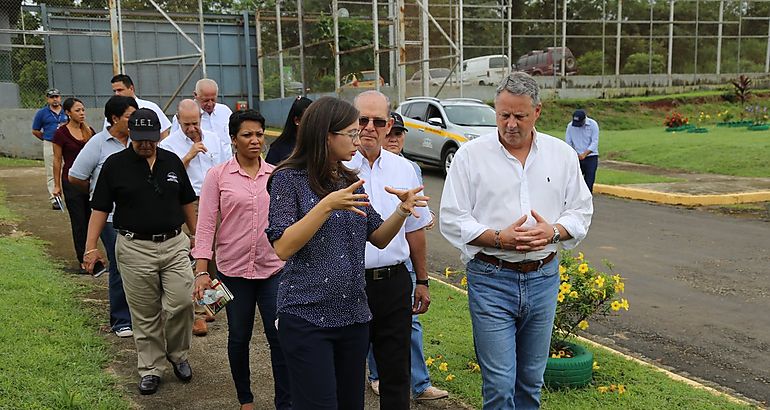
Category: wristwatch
[422,282]
[556,235]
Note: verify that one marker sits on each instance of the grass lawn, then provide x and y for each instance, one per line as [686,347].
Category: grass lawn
[19,162]
[618,177]
[727,151]
[52,356]
[447,332]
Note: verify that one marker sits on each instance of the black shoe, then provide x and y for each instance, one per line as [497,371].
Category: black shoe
[182,370]
[149,384]
[55,206]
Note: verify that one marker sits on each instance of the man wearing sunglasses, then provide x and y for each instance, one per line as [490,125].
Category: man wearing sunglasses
[388,283]
[153,197]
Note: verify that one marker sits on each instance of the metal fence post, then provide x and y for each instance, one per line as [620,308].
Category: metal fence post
[247,58]
[47,43]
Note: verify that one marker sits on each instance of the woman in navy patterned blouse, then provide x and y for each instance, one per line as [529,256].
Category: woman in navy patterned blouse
[319,223]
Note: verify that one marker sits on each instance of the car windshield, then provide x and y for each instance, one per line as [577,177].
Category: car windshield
[471,115]
[368,76]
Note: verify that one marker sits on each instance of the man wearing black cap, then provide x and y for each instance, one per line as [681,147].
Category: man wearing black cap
[583,136]
[153,197]
[47,120]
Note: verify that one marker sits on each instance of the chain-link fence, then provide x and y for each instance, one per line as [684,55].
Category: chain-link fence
[23,68]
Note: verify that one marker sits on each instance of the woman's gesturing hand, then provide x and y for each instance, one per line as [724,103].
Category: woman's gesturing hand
[347,199]
[410,198]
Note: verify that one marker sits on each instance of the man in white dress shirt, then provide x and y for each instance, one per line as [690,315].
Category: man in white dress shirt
[388,282]
[510,198]
[215,117]
[199,150]
[123,85]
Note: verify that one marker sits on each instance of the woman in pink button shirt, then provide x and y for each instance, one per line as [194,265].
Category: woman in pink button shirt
[247,264]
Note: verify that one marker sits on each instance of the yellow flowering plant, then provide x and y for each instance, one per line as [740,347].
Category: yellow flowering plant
[584,292]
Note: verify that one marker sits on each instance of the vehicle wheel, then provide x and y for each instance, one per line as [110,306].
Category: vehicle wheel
[447,157]
[536,73]
[570,63]
[481,82]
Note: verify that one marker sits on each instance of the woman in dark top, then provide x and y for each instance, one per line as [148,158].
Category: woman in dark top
[282,147]
[319,223]
[68,140]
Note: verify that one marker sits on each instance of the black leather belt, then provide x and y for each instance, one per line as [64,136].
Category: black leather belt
[386,272]
[158,237]
[523,266]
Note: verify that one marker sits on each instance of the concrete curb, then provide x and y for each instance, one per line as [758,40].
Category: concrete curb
[671,375]
[681,199]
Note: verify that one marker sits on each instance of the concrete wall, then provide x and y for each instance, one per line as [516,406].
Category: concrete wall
[16,139]
[10,95]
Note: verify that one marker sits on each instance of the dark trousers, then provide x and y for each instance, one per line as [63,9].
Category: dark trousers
[249,294]
[390,333]
[120,316]
[588,168]
[326,364]
[80,211]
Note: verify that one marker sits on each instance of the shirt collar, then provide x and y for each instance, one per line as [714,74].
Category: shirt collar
[533,148]
[232,166]
[359,159]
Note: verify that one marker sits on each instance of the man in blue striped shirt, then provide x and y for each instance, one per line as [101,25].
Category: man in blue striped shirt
[583,137]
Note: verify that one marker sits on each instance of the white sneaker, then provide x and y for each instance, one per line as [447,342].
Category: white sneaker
[124,332]
[432,393]
[375,385]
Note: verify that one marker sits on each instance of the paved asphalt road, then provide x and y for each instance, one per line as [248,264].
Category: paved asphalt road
[698,284]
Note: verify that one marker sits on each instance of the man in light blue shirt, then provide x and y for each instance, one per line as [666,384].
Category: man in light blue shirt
[583,137]
[84,173]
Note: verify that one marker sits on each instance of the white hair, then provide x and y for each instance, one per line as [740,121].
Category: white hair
[206,82]
[372,92]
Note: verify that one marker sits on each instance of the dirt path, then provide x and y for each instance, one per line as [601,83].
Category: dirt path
[211,387]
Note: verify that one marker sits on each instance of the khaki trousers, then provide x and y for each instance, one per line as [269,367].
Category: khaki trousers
[48,161]
[157,278]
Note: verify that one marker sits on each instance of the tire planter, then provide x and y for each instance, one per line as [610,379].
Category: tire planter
[574,372]
[698,130]
[759,127]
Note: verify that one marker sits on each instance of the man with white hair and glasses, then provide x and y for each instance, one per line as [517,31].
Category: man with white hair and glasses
[215,117]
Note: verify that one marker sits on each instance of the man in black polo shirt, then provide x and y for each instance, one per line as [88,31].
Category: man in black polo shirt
[153,197]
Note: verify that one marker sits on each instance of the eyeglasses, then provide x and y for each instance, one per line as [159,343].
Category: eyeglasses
[154,184]
[378,122]
[352,134]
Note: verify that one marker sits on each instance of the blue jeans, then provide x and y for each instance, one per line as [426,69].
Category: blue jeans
[512,316]
[119,315]
[420,379]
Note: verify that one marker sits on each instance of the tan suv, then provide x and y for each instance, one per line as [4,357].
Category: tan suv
[547,62]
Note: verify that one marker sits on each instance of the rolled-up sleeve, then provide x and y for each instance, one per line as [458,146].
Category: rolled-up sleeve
[593,145]
[283,205]
[208,207]
[578,208]
[456,222]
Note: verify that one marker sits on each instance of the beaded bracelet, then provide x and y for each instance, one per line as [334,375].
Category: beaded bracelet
[199,274]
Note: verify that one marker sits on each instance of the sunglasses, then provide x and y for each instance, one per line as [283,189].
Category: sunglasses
[378,122]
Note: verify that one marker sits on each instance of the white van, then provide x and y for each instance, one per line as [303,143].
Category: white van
[486,70]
